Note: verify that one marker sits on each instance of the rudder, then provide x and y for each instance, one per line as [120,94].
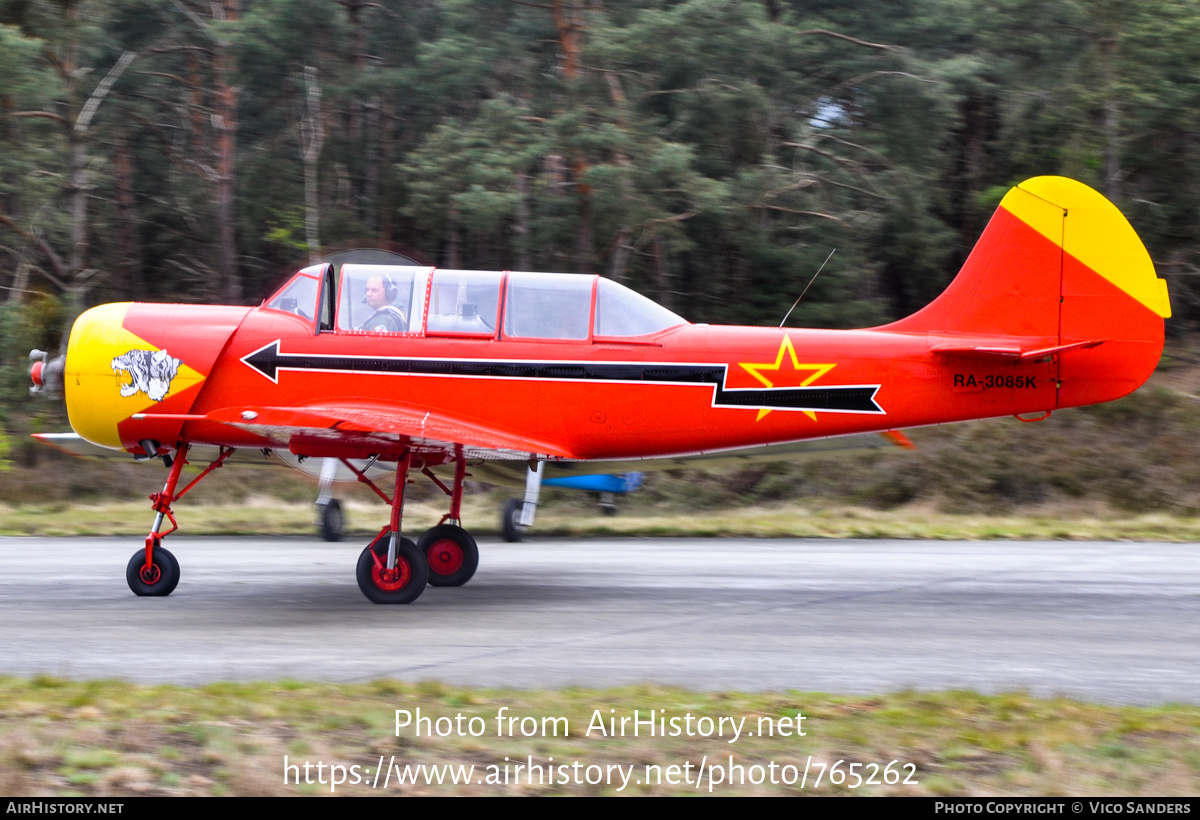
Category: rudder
[1059,265]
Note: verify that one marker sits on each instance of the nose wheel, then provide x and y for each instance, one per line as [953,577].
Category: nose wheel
[158,579]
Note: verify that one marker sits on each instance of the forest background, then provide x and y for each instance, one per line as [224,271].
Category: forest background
[707,153]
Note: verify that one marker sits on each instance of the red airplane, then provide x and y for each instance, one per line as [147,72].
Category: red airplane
[1057,306]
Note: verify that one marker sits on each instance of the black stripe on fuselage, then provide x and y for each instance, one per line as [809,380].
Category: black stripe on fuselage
[843,399]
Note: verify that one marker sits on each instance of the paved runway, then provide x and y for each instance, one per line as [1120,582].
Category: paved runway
[1116,622]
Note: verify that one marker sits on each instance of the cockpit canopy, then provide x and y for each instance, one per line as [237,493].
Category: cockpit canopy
[481,304]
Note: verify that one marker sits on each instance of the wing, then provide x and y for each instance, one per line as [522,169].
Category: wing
[75,445]
[363,429]
[499,456]
[512,474]
[338,429]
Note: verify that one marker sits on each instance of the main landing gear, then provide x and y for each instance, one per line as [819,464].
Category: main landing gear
[394,570]
[391,569]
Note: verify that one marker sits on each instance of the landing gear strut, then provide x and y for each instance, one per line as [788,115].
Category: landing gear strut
[153,571]
[451,551]
[394,570]
[391,570]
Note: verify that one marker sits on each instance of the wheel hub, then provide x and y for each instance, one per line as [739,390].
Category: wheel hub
[150,574]
[391,580]
[445,557]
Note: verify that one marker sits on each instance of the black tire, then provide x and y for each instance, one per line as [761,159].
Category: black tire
[333,521]
[451,553]
[407,586]
[161,578]
[509,517]
[608,509]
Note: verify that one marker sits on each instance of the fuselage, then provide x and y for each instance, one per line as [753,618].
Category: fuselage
[678,389]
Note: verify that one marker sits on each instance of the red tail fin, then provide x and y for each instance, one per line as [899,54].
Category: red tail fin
[1058,271]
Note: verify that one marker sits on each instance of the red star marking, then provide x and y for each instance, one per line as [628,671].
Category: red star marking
[786,376]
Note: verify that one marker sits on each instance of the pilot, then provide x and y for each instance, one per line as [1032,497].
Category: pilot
[378,295]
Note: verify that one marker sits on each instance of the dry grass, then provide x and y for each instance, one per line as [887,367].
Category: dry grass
[110,738]
[569,516]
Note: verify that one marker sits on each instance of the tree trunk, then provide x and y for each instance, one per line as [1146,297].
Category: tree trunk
[568,20]
[522,227]
[76,151]
[454,251]
[1112,149]
[619,261]
[1109,48]
[387,116]
[129,260]
[312,136]
[20,282]
[662,275]
[371,171]
[230,280]
[583,246]
[361,122]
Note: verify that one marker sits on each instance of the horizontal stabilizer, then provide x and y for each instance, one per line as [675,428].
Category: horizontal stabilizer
[1009,353]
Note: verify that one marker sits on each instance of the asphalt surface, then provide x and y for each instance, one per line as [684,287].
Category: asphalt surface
[1113,622]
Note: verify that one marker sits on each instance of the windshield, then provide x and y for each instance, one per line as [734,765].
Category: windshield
[299,296]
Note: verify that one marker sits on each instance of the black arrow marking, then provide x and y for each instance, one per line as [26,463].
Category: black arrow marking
[268,361]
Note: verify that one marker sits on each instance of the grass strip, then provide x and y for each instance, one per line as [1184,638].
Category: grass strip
[111,738]
[273,517]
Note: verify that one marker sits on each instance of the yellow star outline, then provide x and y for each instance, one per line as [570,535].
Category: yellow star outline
[755,370]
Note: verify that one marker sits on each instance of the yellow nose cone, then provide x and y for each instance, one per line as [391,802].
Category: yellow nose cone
[92,387]
[110,374]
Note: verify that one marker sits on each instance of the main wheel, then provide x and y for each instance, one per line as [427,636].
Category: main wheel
[160,578]
[452,555]
[401,585]
[510,521]
[333,522]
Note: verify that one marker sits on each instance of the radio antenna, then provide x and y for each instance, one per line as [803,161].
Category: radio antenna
[809,285]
